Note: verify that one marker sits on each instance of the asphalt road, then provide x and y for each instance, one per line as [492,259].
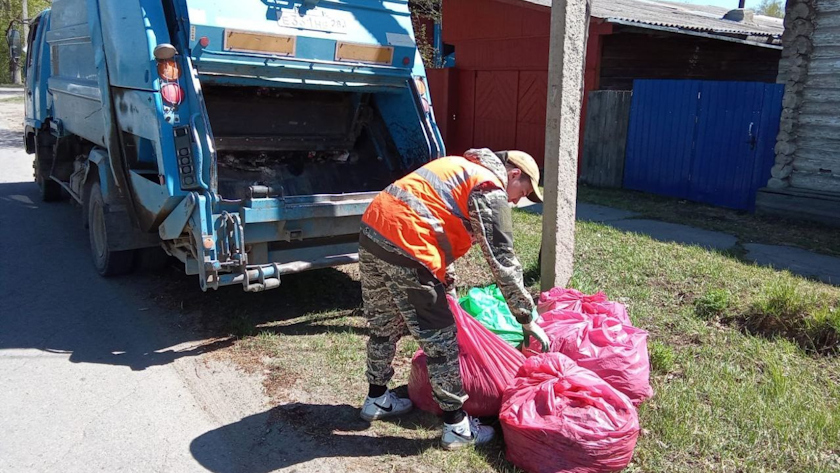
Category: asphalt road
[92,377]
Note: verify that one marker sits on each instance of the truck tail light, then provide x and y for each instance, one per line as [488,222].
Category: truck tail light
[169,70]
[172,93]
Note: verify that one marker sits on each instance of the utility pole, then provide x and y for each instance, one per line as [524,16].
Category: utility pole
[24,17]
[567,56]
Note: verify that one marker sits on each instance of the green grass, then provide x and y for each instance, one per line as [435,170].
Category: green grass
[731,394]
[786,309]
[662,357]
[713,303]
[748,228]
[728,400]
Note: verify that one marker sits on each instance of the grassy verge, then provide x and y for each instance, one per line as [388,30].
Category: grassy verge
[736,387]
[726,400]
[15,99]
[748,228]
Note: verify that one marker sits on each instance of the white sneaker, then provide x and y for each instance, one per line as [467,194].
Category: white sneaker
[386,405]
[467,432]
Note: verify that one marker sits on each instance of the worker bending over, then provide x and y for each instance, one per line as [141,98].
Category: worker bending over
[411,235]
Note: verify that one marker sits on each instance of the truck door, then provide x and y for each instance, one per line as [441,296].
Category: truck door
[36,56]
[29,71]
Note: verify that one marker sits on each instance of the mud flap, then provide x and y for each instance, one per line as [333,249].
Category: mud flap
[122,235]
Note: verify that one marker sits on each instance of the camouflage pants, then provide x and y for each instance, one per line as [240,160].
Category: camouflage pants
[399,301]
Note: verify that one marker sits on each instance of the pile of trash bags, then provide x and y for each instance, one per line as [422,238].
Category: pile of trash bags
[572,409]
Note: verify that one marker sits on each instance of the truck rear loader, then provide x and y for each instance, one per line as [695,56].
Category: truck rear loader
[245,138]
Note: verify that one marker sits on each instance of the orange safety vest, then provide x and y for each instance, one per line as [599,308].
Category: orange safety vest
[426,212]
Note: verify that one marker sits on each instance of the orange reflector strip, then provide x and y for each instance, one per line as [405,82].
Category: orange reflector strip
[364,53]
[421,86]
[259,43]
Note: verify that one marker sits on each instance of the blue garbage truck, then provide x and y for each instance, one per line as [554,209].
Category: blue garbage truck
[244,138]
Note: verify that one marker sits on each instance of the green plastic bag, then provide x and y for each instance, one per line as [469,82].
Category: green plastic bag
[488,306]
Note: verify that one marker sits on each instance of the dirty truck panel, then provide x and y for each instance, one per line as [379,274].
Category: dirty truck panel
[243,138]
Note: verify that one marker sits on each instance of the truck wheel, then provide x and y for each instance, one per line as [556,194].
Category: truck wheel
[107,263]
[50,190]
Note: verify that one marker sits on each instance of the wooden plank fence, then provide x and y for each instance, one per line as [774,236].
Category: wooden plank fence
[605,138]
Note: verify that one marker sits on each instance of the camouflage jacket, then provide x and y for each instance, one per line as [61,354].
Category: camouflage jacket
[492,225]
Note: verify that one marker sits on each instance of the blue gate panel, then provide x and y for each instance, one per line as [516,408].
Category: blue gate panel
[705,141]
[660,134]
[722,168]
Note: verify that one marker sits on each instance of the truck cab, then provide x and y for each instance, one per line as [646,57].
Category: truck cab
[244,138]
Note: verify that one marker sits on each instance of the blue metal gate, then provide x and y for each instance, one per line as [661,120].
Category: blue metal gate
[705,141]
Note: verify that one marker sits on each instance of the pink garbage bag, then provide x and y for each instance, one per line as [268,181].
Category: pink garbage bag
[615,310]
[560,417]
[571,299]
[614,351]
[488,365]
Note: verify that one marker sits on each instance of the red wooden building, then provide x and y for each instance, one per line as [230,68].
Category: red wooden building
[495,96]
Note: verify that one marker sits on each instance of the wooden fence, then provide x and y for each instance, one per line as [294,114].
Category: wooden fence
[605,138]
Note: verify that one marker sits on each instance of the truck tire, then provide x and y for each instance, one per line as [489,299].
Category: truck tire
[107,263]
[50,190]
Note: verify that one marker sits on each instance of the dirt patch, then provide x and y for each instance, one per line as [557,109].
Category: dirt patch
[232,311]
[300,350]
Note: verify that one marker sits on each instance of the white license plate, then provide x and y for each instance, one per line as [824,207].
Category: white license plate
[314,19]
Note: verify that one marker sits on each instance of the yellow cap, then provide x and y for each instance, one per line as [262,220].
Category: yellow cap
[528,166]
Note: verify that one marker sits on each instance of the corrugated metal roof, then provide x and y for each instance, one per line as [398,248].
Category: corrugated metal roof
[702,18]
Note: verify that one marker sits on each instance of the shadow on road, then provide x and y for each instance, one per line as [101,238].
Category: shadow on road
[54,300]
[10,139]
[268,441]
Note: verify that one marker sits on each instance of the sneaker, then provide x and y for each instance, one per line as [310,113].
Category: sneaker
[386,405]
[467,432]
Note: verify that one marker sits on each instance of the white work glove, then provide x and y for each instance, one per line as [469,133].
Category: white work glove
[531,329]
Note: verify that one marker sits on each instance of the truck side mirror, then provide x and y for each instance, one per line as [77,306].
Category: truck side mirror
[15,46]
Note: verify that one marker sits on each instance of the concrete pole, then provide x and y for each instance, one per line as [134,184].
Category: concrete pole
[567,55]
[24,16]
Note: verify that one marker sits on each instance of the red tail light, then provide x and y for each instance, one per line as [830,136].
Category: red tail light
[172,93]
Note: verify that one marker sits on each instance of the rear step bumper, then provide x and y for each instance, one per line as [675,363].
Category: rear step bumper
[260,278]
[255,241]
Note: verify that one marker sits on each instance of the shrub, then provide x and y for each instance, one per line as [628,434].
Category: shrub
[713,303]
[661,357]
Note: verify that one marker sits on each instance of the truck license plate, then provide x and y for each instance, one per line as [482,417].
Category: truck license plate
[315,19]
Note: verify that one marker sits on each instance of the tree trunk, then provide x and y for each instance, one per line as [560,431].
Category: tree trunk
[16,68]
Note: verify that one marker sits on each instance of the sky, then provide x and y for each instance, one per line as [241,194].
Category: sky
[722,3]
